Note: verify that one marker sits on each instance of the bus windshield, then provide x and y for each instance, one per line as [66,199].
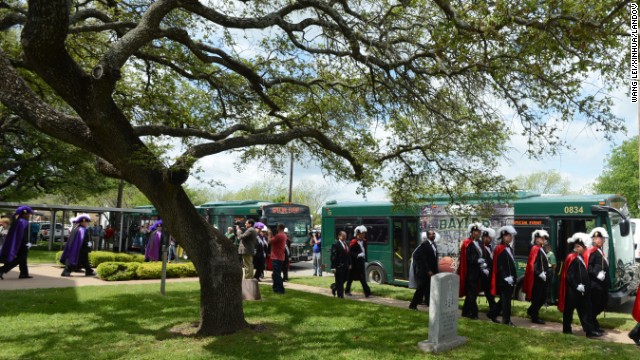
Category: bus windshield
[622,249]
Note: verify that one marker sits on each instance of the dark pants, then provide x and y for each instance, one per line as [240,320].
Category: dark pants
[83,263]
[634,334]
[599,299]
[422,290]
[470,307]
[285,269]
[258,264]
[504,305]
[20,261]
[340,277]
[491,300]
[576,301]
[363,282]
[278,285]
[538,298]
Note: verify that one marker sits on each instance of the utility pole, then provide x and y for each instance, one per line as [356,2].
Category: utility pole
[291,178]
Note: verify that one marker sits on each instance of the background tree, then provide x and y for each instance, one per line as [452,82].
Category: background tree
[364,88]
[34,164]
[620,175]
[544,182]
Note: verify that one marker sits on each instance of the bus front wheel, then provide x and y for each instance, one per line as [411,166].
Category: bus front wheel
[375,274]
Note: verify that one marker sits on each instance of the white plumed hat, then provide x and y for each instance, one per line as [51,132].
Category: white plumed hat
[508,229]
[581,239]
[539,233]
[489,232]
[599,231]
[360,229]
[474,226]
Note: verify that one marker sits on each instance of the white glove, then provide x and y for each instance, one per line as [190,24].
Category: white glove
[486,272]
[543,276]
[580,288]
[29,245]
[509,280]
[481,261]
[90,244]
[361,255]
[601,275]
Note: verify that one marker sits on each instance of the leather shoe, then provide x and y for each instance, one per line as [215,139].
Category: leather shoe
[413,308]
[25,277]
[66,274]
[537,321]
[348,294]
[594,334]
[1,277]
[494,319]
[567,332]
[510,324]
[93,273]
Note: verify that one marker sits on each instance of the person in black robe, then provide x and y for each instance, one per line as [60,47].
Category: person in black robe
[537,275]
[15,248]
[487,236]
[598,268]
[575,288]
[425,265]
[474,263]
[340,264]
[358,253]
[504,280]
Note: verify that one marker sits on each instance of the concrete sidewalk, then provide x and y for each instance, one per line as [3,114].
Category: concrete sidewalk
[48,276]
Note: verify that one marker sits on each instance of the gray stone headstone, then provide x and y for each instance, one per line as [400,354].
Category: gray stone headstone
[250,289]
[443,315]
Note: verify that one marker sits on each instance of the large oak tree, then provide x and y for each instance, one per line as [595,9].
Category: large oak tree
[408,91]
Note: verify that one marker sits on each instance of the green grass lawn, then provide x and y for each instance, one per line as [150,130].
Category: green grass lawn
[608,320]
[40,255]
[135,322]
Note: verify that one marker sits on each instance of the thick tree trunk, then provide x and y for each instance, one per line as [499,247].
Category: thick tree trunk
[214,257]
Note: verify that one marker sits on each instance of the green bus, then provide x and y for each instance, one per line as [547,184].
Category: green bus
[394,232]
[295,217]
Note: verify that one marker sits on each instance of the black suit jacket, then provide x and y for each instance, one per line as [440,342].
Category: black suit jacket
[340,259]
[432,257]
[597,264]
[506,268]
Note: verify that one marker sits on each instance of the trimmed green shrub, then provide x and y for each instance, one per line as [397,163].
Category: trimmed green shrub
[116,271]
[98,257]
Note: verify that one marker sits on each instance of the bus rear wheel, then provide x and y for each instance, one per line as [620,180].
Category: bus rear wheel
[375,274]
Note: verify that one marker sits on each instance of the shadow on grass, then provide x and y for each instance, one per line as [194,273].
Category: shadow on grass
[135,321]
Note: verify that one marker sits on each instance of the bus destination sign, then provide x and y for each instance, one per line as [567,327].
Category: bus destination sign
[285,210]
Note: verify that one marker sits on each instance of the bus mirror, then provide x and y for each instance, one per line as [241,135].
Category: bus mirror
[625,228]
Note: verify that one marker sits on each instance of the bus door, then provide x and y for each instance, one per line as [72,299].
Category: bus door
[405,240]
[564,229]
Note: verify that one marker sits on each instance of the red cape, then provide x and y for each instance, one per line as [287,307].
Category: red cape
[529,274]
[563,280]
[636,307]
[462,265]
[494,283]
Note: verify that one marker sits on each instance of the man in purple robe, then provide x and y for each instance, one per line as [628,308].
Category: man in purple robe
[76,251]
[152,252]
[16,245]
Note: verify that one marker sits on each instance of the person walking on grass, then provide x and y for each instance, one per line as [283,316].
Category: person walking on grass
[358,253]
[340,264]
[575,288]
[536,275]
[277,244]
[16,245]
[503,276]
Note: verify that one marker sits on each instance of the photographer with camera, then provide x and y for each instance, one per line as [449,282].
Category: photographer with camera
[247,247]
[316,243]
